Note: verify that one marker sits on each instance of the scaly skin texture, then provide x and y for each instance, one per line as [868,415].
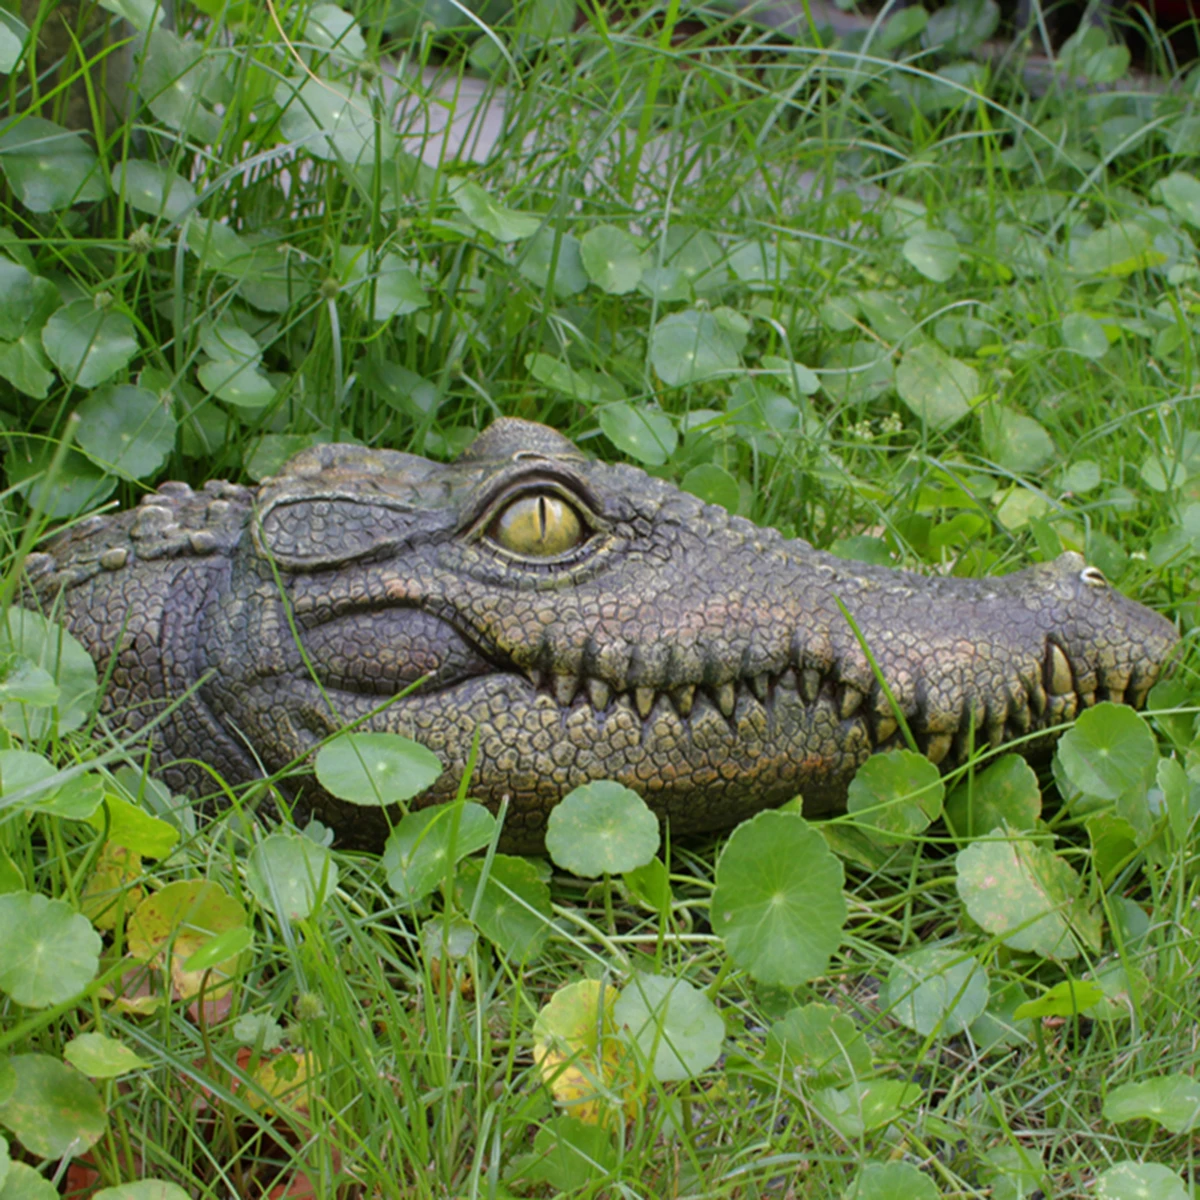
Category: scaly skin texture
[693,656]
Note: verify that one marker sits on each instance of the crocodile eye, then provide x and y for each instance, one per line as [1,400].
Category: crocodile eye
[1093,577]
[538,525]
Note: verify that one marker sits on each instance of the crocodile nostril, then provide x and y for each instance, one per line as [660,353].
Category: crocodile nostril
[1056,671]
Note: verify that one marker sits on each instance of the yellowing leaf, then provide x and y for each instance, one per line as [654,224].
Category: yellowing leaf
[587,1068]
[110,893]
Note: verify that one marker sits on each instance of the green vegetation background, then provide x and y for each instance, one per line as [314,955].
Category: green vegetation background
[873,291]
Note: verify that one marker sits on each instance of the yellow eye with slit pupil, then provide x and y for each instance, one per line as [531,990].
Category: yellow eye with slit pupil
[539,526]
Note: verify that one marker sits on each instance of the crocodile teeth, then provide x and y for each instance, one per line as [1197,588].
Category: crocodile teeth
[851,699]
[1139,685]
[810,684]
[1018,714]
[1116,683]
[565,687]
[683,698]
[884,728]
[599,693]
[726,698]
[1037,699]
[758,685]
[1058,672]
[939,747]
[644,699]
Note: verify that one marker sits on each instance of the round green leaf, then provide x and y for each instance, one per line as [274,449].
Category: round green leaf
[569,276]
[259,1029]
[129,825]
[23,361]
[141,14]
[488,214]
[1088,52]
[692,346]
[154,189]
[14,36]
[590,387]
[959,27]
[1119,248]
[54,1111]
[785,373]
[1140,1181]
[51,648]
[48,951]
[676,1026]
[902,26]
[174,77]
[219,248]
[16,298]
[821,1045]
[376,769]
[88,344]
[643,433]
[998,1027]
[241,383]
[1004,795]
[1015,441]
[442,939]
[1084,335]
[25,1183]
[778,902]
[865,1104]
[892,1181]
[1180,192]
[513,909]
[126,430]
[21,769]
[756,262]
[397,289]
[291,875]
[333,122]
[936,988]
[144,1189]
[857,372]
[49,167]
[714,485]
[601,828]
[612,259]
[1172,1101]
[896,795]
[934,253]
[1023,893]
[1109,751]
[570,1154]
[78,486]
[424,843]
[335,31]
[937,388]
[5,1160]
[101,1057]
[1080,477]
[8,1079]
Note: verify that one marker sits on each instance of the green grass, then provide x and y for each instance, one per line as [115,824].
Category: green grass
[999,294]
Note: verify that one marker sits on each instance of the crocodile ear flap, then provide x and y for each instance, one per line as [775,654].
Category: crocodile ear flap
[314,532]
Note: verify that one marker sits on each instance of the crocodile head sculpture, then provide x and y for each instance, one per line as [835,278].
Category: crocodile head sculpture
[579,620]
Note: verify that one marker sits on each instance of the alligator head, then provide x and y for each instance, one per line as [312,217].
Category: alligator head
[579,621]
